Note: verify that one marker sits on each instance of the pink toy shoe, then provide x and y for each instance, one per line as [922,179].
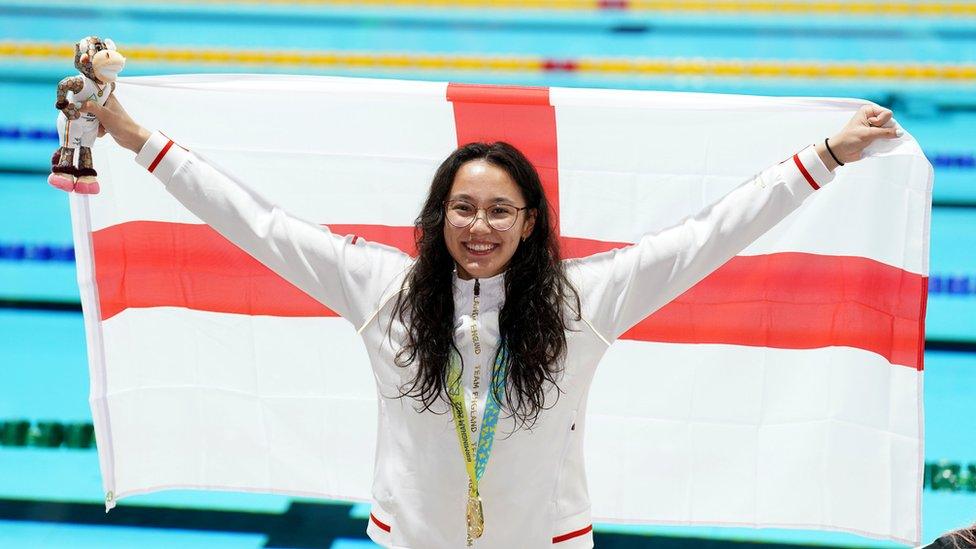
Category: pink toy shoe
[63,181]
[86,188]
[86,182]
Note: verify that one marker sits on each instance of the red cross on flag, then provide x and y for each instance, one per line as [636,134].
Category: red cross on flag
[793,373]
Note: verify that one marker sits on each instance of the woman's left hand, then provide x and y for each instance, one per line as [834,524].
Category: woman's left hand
[871,122]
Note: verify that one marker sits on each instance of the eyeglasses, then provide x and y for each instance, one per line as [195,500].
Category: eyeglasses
[462,214]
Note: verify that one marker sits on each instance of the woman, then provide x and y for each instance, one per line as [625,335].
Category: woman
[487,322]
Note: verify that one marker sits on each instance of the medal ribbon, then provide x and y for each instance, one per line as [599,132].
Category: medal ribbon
[476,455]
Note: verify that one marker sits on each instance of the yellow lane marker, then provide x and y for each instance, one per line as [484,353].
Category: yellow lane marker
[609,66]
[902,8]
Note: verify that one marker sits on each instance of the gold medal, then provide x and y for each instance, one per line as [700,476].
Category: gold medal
[474,512]
[476,518]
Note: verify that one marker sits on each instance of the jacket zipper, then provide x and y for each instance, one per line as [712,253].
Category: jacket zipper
[475,313]
[476,347]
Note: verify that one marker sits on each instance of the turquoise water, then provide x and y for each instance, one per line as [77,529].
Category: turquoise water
[43,359]
[43,535]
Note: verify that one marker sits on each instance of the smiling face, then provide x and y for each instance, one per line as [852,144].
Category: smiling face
[479,250]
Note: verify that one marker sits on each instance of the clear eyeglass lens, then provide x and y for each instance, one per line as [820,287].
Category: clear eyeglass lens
[500,217]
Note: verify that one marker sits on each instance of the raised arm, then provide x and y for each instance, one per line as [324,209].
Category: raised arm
[348,275]
[623,286]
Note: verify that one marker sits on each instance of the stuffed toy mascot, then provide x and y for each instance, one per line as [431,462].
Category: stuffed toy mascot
[99,64]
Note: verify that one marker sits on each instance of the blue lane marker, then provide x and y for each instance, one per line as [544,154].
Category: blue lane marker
[956,284]
[20,251]
[964,161]
[952,285]
[16,133]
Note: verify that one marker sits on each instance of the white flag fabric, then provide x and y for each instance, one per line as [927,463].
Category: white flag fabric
[784,390]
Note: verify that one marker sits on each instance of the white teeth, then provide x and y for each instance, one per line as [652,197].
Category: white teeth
[480,247]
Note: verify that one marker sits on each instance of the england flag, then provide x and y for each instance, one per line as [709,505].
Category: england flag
[783,390]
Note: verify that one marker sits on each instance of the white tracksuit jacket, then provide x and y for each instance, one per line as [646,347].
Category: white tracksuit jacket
[534,489]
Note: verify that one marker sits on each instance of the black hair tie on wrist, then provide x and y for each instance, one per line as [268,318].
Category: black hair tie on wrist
[834,156]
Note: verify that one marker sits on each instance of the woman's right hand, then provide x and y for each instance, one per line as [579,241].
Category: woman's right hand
[118,123]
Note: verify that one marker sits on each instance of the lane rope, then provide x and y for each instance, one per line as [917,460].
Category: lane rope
[609,66]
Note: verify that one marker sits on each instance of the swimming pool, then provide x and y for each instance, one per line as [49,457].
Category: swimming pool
[760,53]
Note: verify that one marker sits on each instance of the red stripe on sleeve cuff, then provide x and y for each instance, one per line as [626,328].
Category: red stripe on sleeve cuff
[159,157]
[806,174]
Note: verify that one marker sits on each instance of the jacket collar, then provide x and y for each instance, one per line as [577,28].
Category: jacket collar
[492,288]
